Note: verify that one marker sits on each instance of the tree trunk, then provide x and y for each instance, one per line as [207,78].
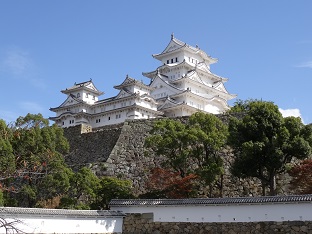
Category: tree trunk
[263,185]
[272,185]
[221,186]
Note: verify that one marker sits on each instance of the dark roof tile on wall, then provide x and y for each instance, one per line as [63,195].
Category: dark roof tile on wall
[212,201]
[13,211]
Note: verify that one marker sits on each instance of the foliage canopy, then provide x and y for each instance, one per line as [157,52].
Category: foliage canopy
[264,142]
[192,147]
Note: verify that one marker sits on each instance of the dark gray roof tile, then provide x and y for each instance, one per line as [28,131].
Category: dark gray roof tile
[212,201]
[57,212]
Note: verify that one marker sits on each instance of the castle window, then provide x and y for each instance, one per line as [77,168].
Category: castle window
[98,120]
[87,95]
[171,60]
[109,118]
[118,116]
[168,61]
[176,59]
[63,123]
[78,95]
[93,98]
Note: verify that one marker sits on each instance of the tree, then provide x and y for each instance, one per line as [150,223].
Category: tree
[112,188]
[192,147]
[32,161]
[10,225]
[82,191]
[301,174]
[164,183]
[209,135]
[170,138]
[264,142]
[7,160]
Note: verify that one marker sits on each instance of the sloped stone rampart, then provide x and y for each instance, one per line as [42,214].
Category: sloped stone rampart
[90,148]
[129,159]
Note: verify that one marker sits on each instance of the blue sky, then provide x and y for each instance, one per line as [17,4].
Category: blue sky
[263,47]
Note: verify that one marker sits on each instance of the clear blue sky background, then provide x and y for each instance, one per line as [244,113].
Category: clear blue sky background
[263,47]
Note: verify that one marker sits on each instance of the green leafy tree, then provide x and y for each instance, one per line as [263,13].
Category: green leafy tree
[192,147]
[7,160]
[33,155]
[264,142]
[208,137]
[171,138]
[83,190]
[112,188]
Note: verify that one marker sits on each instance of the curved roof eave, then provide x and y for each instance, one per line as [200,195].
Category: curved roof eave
[147,109]
[153,73]
[115,98]
[131,81]
[167,83]
[220,83]
[187,76]
[179,43]
[68,113]
[79,102]
[82,85]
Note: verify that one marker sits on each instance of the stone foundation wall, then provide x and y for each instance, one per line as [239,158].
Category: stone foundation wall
[136,223]
[118,150]
[90,148]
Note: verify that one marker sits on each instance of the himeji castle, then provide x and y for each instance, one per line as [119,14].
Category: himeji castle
[182,85]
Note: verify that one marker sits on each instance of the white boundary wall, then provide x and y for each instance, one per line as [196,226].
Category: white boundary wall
[70,221]
[224,213]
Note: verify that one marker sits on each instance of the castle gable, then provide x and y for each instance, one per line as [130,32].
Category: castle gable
[71,100]
[124,93]
[171,47]
[87,86]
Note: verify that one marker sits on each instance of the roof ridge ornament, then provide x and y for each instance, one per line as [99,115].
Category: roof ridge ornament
[172,36]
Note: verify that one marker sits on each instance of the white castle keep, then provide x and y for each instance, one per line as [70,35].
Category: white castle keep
[182,85]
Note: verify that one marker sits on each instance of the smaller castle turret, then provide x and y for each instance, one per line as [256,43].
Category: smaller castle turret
[82,105]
